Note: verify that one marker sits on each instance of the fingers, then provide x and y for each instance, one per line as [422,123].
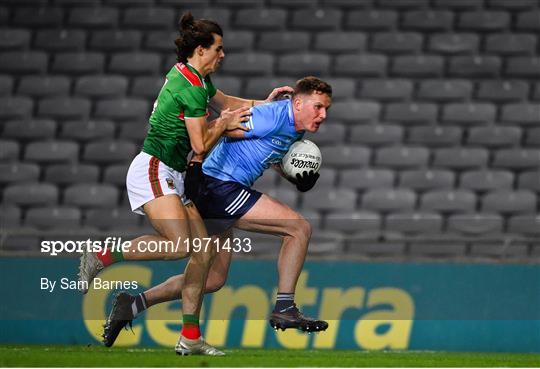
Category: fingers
[242,127]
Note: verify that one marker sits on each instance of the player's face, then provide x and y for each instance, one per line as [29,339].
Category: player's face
[213,56]
[312,110]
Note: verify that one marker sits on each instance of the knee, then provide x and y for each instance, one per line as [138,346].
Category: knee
[300,228]
[175,249]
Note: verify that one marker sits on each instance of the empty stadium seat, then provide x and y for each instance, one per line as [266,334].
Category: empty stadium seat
[101,86]
[162,41]
[29,129]
[377,134]
[335,42]
[386,89]
[123,109]
[484,20]
[53,217]
[521,113]
[536,95]
[529,180]
[10,216]
[109,151]
[306,63]
[328,134]
[448,201]
[494,136]
[149,17]
[501,91]
[18,172]
[399,157]
[427,179]
[268,180]
[469,113]
[220,15]
[135,132]
[86,130]
[14,38]
[528,20]
[397,42]
[361,179]
[454,43]
[116,174]
[9,150]
[20,243]
[517,158]
[32,193]
[476,224]
[91,195]
[533,137]
[428,20]
[316,19]
[93,17]
[353,221]
[287,195]
[63,174]
[52,151]
[149,87]
[355,111]
[344,156]
[240,40]
[330,199]
[475,66]
[6,85]
[403,4]
[418,66]
[460,158]
[435,136]
[249,63]
[15,107]
[411,112]
[512,4]
[261,19]
[64,107]
[23,62]
[42,86]
[135,63]
[60,40]
[115,40]
[284,41]
[114,218]
[508,201]
[511,44]
[438,248]
[260,87]
[458,4]
[78,63]
[342,88]
[240,3]
[445,90]
[326,243]
[348,3]
[414,222]
[523,66]
[487,180]
[373,65]
[527,224]
[372,19]
[389,200]
[36,17]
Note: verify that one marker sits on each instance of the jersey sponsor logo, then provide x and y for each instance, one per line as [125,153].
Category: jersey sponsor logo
[275,141]
[170,183]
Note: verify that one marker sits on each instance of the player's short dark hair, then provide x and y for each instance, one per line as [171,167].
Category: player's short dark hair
[193,33]
[308,85]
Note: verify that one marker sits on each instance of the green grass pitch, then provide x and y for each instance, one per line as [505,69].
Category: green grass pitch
[83,356]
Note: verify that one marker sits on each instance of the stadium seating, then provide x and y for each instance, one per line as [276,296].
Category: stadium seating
[432,142]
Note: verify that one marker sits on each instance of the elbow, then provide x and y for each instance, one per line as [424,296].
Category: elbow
[199,148]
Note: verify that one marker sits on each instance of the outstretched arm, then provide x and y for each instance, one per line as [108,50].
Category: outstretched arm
[222,101]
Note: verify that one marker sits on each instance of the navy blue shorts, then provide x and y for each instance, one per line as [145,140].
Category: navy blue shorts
[222,203]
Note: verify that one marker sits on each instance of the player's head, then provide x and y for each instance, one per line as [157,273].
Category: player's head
[311,100]
[200,39]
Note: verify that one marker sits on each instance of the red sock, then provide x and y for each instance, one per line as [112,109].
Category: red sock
[191,328]
[110,257]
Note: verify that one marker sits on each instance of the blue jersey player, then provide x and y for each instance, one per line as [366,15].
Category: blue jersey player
[225,199]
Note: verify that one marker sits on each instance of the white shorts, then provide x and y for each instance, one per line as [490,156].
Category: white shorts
[148,178]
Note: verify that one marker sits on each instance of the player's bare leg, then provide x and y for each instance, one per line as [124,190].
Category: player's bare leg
[169,218]
[269,215]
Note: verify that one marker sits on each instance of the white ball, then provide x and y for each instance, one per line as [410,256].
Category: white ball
[302,156]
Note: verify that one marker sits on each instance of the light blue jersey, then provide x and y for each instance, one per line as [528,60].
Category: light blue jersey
[243,160]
